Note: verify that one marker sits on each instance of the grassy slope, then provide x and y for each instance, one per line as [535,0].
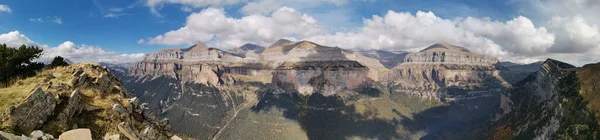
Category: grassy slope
[98,120]
[589,77]
[19,90]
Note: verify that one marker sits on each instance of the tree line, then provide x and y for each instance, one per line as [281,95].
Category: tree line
[18,63]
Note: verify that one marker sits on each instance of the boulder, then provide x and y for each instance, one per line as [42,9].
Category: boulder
[175,137]
[73,106]
[33,111]
[76,134]
[8,136]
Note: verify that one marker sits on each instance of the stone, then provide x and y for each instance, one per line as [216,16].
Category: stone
[175,137]
[9,136]
[112,137]
[78,71]
[90,108]
[76,134]
[73,106]
[119,109]
[36,134]
[127,131]
[57,74]
[33,111]
[82,79]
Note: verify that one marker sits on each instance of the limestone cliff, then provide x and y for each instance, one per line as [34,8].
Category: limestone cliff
[86,97]
[327,78]
[442,69]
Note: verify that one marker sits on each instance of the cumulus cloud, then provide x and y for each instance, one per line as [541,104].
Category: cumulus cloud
[154,5]
[267,6]
[574,35]
[570,32]
[230,32]
[15,39]
[404,31]
[70,50]
[4,8]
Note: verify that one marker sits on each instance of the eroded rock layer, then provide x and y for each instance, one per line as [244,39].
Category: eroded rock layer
[441,69]
[327,78]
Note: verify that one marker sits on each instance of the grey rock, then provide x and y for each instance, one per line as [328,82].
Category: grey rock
[76,134]
[127,131]
[32,112]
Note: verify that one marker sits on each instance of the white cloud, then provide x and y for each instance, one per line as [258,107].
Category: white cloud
[265,7]
[15,39]
[70,50]
[141,41]
[404,31]
[40,20]
[186,8]
[123,58]
[81,53]
[574,35]
[155,5]
[518,35]
[4,8]
[231,32]
[115,9]
[57,20]
[114,15]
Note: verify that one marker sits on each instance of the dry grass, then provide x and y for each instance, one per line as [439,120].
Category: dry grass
[19,90]
[589,77]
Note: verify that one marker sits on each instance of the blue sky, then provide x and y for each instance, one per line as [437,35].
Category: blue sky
[116,26]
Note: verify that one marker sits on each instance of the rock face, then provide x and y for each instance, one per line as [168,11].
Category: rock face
[87,102]
[248,51]
[327,78]
[32,112]
[440,69]
[547,105]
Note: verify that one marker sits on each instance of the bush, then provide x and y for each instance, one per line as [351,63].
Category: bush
[58,61]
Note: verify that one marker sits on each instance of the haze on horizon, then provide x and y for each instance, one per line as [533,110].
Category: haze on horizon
[123,31]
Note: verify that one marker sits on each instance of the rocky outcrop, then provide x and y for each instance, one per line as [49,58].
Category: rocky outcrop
[87,102]
[327,78]
[545,105]
[442,70]
[448,54]
[32,112]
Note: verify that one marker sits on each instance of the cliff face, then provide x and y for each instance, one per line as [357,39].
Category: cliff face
[327,78]
[546,105]
[441,69]
[80,96]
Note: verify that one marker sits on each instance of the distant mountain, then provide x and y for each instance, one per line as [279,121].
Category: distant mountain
[304,90]
[248,50]
[516,72]
[389,59]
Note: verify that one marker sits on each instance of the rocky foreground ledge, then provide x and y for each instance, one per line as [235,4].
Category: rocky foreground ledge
[83,101]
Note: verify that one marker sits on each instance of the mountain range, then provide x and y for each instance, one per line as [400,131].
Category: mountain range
[304,90]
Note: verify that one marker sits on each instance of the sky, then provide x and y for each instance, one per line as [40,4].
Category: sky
[120,31]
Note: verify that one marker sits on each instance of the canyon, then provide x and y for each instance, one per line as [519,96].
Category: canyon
[303,90]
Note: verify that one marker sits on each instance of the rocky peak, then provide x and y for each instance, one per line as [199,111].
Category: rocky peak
[442,53]
[199,47]
[444,47]
[281,42]
[80,96]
